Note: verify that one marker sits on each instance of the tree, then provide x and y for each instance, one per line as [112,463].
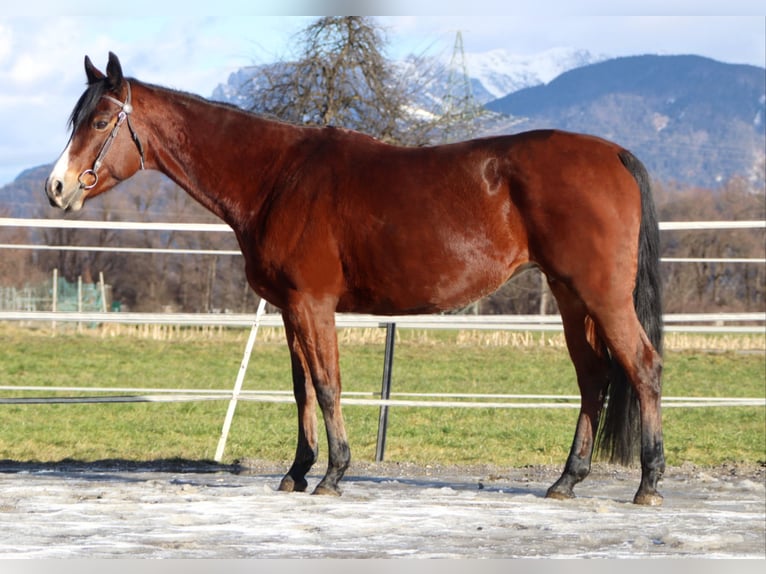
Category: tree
[707,286]
[18,268]
[340,78]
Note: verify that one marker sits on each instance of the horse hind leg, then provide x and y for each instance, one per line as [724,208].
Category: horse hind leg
[632,418]
[591,364]
[642,367]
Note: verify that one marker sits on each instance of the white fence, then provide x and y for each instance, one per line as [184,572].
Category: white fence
[674,322]
[689,323]
[223,228]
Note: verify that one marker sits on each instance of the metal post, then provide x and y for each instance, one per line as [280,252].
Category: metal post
[385,391]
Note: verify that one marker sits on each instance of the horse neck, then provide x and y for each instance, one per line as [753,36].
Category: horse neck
[206,148]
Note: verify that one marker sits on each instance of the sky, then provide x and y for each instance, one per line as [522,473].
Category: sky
[43,43]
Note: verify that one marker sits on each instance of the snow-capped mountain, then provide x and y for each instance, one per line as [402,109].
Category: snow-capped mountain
[492,74]
[500,72]
[235,91]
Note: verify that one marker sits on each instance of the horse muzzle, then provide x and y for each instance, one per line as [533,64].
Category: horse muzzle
[68,198]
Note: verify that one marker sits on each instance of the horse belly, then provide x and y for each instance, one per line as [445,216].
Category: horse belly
[472,278]
[430,277]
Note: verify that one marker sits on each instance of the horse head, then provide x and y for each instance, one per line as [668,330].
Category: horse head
[99,154]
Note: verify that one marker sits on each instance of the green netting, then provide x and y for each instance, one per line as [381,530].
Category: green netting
[40,297]
[88,298]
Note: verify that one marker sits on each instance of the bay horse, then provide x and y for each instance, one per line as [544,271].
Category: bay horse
[333,220]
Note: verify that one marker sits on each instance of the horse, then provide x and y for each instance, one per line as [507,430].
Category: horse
[331,220]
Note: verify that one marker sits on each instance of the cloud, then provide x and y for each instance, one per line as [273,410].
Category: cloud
[41,69]
[6,42]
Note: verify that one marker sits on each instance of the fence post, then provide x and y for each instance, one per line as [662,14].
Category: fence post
[54,303]
[238,383]
[79,301]
[385,391]
[103,290]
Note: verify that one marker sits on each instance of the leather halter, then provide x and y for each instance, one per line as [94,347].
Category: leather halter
[126,108]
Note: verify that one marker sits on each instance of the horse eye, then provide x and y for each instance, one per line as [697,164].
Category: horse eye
[100,124]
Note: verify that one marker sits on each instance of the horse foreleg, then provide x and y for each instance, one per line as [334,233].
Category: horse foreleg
[588,354]
[314,329]
[305,398]
[339,456]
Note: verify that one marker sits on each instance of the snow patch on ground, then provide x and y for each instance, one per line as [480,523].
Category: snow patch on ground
[137,514]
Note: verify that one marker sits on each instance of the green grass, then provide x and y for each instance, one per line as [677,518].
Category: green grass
[434,363]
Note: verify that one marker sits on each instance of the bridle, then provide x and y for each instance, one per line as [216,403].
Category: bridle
[126,108]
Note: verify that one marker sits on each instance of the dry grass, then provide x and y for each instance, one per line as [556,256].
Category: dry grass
[376,336]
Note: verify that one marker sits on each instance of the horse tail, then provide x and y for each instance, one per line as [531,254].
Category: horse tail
[621,429]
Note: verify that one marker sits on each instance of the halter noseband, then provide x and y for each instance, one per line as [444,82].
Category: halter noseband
[126,108]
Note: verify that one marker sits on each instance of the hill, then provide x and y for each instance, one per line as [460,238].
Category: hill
[691,119]
[25,196]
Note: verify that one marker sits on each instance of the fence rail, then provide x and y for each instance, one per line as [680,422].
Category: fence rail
[360,398]
[223,228]
[682,322]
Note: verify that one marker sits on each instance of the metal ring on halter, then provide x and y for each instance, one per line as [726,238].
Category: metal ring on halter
[83,174]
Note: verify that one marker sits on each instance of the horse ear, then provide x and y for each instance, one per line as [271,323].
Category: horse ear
[92,73]
[114,71]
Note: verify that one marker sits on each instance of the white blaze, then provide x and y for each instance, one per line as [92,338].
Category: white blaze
[64,187]
[62,164]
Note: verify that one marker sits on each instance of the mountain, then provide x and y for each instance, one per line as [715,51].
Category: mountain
[691,119]
[25,196]
[499,72]
[492,74]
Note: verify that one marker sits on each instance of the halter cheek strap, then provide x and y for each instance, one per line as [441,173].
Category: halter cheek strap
[126,108]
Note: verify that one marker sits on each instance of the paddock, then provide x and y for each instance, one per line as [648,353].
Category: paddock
[198,510]
[150,510]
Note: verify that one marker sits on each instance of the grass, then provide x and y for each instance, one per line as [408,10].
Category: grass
[424,362]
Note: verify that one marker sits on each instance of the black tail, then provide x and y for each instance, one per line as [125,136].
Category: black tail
[621,429]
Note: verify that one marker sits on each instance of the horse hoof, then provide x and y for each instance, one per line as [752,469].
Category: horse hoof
[288,484]
[648,499]
[559,495]
[326,491]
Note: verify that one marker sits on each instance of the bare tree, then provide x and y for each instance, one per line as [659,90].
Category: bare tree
[706,286]
[17,267]
[341,77]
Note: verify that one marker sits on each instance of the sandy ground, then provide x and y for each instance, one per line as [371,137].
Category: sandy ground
[183,509]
